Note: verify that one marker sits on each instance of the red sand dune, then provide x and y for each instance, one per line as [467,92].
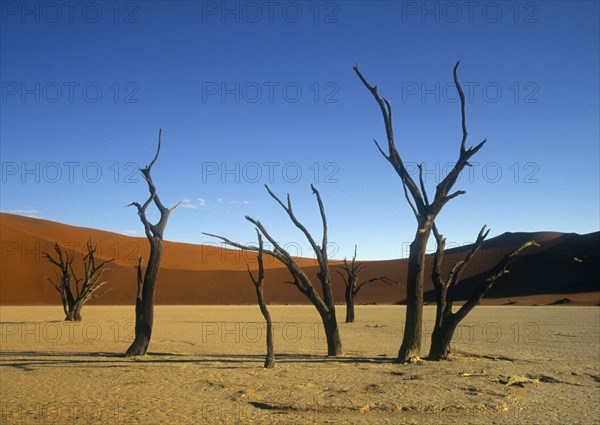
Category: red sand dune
[566,266]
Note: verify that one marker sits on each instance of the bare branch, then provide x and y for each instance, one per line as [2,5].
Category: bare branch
[438,258]
[444,187]
[381,150]
[393,156]
[383,279]
[345,279]
[149,166]
[290,212]
[462,108]
[412,207]
[258,282]
[498,271]
[323,220]
[241,246]
[422,183]
[56,285]
[279,252]
[461,266]
[300,279]
[142,214]
[153,230]
[455,194]
[101,294]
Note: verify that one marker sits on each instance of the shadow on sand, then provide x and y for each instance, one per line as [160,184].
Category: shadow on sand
[29,360]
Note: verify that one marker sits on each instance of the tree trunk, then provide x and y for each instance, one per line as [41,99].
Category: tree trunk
[144,305]
[72,310]
[69,300]
[73,316]
[349,305]
[334,343]
[270,359]
[413,326]
[441,338]
[77,312]
[144,308]
[68,313]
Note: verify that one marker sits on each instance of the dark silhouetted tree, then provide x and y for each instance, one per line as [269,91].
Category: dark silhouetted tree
[258,284]
[75,292]
[445,320]
[326,305]
[425,213]
[144,304]
[349,276]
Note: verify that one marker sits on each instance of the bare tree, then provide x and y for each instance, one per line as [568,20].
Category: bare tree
[326,305]
[425,213]
[75,292]
[350,278]
[258,284]
[144,304]
[445,320]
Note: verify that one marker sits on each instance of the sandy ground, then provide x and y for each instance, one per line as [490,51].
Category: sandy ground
[521,365]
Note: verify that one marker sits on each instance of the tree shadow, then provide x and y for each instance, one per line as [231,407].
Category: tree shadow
[30,360]
[2,323]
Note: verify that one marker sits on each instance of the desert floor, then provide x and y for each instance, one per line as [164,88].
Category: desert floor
[513,365]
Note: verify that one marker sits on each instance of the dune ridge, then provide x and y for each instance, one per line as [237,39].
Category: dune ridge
[565,266]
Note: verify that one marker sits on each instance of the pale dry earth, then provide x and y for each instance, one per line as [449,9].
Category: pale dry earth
[516,365]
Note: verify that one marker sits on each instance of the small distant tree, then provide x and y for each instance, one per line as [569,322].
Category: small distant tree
[146,282]
[75,292]
[445,320]
[350,277]
[258,284]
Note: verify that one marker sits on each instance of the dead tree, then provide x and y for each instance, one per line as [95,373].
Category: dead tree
[258,284]
[424,211]
[144,304]
[445,320]
[326,305]
[352,270]
[75,292]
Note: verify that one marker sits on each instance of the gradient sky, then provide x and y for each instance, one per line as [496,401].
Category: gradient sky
[249,93]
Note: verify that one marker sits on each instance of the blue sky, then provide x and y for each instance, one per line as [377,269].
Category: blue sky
[249,93]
